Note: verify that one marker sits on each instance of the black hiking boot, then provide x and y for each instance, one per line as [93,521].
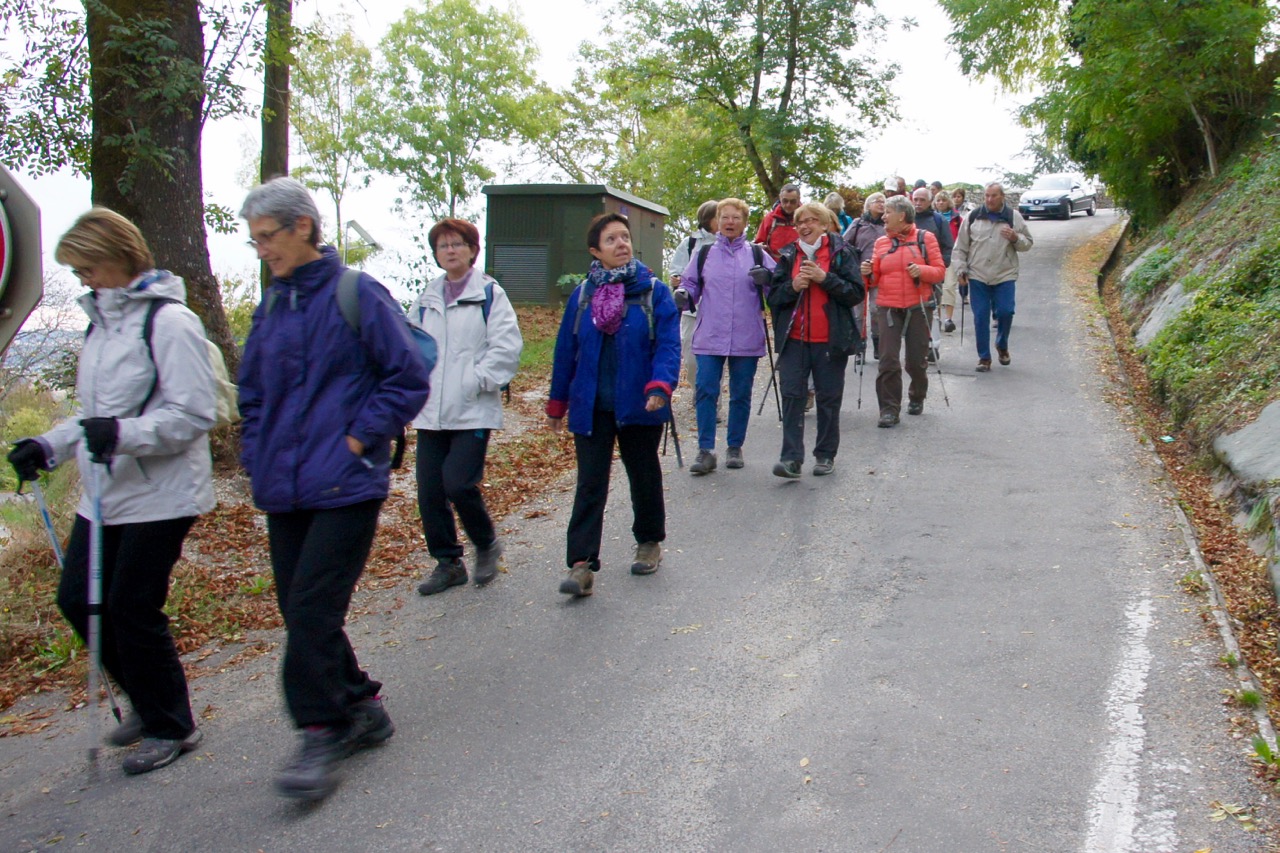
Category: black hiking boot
[312,775]
[487,563]
[370,725]
[447,573]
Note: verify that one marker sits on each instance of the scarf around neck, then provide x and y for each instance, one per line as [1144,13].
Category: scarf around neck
[607,291]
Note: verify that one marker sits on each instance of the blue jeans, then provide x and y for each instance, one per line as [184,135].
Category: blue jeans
[986,298]
[742,375]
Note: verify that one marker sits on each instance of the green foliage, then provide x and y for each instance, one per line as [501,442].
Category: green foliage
[567,282]
[1262,748]
[240,297]
[778,91]
[1151,274]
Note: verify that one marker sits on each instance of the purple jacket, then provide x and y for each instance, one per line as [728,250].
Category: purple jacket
[730,321]
[307,382]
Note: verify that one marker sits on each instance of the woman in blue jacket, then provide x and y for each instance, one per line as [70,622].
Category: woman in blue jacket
[616,361]
[321,404]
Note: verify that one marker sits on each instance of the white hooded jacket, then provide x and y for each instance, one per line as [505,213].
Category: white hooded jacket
[475,358]
[161,469]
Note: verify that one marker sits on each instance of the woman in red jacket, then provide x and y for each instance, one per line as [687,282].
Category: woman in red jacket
[905,264]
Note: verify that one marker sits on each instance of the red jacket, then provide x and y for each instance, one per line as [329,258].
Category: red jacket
[776,230]
[894,286]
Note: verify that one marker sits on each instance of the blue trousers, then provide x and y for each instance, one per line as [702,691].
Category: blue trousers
[742,376]
[986,298]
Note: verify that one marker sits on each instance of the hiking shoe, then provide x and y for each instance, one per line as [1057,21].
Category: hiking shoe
[447,573]
[704,464]
[580,580]
[128,732]
[370,725]
[648,556]
[1004,356]
[823,466]
[733,459]
[486,564]
[915,407]
[949,326]
[808,402]
[887,419]
[984,365]
[154,753]
[312,775]
[788,469]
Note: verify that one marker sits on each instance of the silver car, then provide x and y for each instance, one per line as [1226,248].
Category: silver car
[1058,195]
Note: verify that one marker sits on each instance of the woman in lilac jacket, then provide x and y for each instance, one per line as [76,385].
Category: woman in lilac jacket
[727,284]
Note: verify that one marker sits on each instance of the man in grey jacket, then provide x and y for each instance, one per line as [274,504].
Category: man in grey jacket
[986,259]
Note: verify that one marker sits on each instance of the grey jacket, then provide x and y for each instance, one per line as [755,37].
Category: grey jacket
[982,254]
[162,468]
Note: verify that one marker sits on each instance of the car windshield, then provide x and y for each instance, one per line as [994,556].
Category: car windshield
[1052,182]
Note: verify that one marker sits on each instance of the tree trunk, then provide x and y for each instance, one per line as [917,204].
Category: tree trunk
[277,60]
[157,184]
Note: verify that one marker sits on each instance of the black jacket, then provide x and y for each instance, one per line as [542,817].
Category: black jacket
[844,288]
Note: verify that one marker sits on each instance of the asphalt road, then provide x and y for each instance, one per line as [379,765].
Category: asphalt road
[969,638]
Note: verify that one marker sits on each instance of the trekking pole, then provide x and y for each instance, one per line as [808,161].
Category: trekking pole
[773,372]
[928,327]
[964,300]
[95,607]
[57,554]
[675,436]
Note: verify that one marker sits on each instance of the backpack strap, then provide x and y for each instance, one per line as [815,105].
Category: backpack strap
[702,260]
[348,296]
[148,329]
[488,301]
[924,251]
[693,242]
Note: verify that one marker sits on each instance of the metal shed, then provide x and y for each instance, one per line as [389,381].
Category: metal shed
[535,233]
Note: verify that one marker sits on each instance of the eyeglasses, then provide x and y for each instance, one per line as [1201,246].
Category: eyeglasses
[807,221]
[444,247]
[264,238]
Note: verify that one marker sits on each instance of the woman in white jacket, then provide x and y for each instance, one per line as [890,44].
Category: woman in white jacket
[145,408]
[474,326]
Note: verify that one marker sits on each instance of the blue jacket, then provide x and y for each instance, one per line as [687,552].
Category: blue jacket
[644,366]
[307,382]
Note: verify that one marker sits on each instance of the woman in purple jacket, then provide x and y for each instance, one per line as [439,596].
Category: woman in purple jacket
[321,404]
[727,285]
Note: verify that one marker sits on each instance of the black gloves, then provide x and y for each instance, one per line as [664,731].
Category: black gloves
[760,276]
[681,296]
[28,459]
[100,436]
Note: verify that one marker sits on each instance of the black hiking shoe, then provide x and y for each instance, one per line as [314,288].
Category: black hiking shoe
[915,407]
[580,580]
[648,556]
[154,753]
[788,469]
[486,563]
[128,732]
[733,459]
[949,326]
[312,775]
[370,725]
[447,573]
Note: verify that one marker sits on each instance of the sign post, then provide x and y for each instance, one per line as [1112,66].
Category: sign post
[21,260]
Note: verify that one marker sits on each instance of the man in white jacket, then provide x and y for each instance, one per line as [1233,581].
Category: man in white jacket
[478,339]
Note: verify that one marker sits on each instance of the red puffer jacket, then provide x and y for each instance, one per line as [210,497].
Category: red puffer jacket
[894,286]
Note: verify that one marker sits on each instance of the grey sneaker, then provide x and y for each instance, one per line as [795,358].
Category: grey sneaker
[788,468]
[154,753]
[487,563]
[822,467]
[580,580]
[128,732]
[704,464]
[733,459]
[648,556]
[447,573]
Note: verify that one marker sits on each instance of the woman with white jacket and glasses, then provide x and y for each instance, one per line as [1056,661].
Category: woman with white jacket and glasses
[475,329]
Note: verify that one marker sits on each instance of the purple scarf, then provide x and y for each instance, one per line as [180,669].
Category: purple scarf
[608,296]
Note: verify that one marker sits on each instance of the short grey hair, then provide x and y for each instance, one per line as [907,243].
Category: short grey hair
[707,213]
[284,200]
[996,184]
[789,188]
[872,199]
[903,205]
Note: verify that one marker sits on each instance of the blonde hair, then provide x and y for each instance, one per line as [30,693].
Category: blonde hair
[942,201]
[734,202]
[104,236]
[820,211]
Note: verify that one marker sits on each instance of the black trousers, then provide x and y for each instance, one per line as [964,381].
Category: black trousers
[450,467]
[137,648]
[796,363]
[638,446]
[317,557]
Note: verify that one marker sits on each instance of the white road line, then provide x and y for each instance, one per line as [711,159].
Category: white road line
[1113,804]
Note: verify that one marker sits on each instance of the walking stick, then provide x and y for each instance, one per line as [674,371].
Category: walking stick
[95,606]
[928,327]
[57,554]
[964,300]
[773,373]
[675,436]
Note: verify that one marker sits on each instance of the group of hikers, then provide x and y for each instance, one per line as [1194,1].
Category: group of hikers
[333,370]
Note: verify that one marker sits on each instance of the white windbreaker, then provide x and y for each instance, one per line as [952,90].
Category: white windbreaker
[475,358]
[161,468]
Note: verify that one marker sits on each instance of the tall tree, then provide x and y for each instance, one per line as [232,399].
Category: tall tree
[785,78]
[454,78]
[146,74]
[332,102]
[277,59]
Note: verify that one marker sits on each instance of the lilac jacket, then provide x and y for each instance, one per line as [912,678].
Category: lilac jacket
[730,321]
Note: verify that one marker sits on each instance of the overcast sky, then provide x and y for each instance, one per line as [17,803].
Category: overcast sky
[947,128]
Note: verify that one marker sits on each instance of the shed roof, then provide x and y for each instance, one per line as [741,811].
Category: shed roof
[573,190]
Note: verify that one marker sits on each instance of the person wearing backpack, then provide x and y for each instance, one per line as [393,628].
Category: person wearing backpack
[322,398]
[617,356]
[726,282]
[144,412]
[685,252]
[862,236]
[470,317]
